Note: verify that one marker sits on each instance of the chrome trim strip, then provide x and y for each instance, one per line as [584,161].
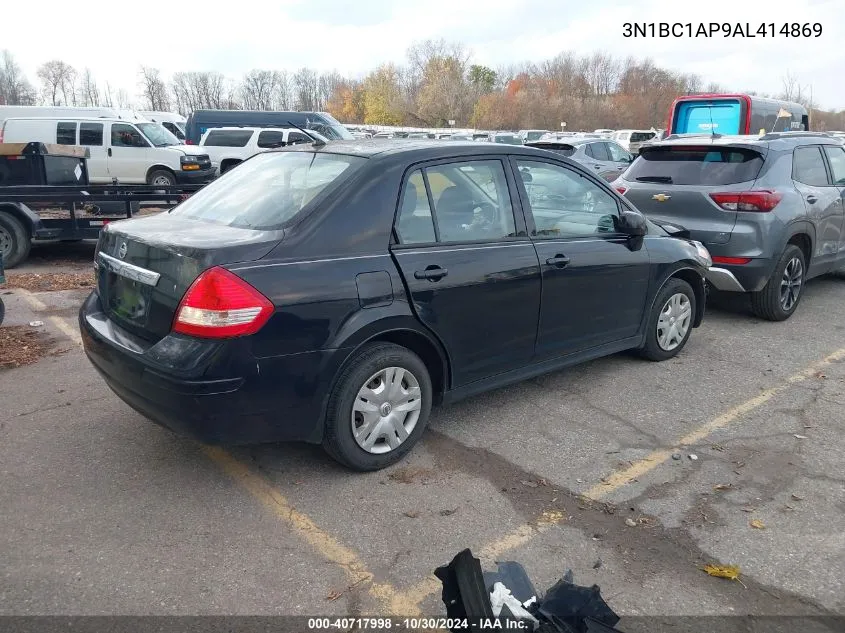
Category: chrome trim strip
[130,271]
[723,279]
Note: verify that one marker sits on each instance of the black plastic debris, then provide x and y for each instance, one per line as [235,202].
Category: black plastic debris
[565,607]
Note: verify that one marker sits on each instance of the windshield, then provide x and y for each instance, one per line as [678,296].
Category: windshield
[332,131]
[269,189]
[157,134]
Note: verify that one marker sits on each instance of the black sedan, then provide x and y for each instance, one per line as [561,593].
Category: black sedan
[333,293]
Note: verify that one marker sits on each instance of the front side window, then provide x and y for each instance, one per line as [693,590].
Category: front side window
[598,151]
[617,154]
[836,157]
[270,189]
[808,166]
[298,137]
[271,138]
[91,134]
[66,133]
[565,204]
[123,135]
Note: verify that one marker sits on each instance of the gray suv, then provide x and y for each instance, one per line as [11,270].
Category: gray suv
[769,208]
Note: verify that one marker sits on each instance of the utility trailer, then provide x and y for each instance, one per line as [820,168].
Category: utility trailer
[56,203]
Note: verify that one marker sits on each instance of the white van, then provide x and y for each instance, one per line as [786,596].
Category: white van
[55,112]
[129,152]
[174,123]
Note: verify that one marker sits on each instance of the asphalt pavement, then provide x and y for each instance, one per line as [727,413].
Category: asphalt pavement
[633,474]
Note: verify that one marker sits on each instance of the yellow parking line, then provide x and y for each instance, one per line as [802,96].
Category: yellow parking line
[68,329]
[34,302]
[524,533]
[326,545]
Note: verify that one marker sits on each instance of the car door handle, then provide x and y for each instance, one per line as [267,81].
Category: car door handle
[597,166]
[110,151]
[812,199]
[432,273]
[558,261]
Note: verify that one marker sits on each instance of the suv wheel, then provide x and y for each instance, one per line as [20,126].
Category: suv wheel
[670,322]
[379,408]
[779,298]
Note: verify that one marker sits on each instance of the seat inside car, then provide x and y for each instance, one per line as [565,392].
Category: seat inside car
[455,208]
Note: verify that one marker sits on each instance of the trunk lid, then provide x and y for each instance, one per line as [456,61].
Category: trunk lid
[673,184]
[145,265]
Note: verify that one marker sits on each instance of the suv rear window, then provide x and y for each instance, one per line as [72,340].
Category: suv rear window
[696,165]
[640,137]
[268,190]
[228,138]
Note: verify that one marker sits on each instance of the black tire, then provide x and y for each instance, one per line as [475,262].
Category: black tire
[767,303]
[228,166]
[161,174]
[651,348]
[15,240]
[2,311]
[339,441]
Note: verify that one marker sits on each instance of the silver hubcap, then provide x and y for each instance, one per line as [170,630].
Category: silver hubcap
[386,410]
[790,283]
[161,180]
[674,321]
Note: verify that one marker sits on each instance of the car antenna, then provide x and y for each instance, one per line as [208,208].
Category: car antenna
[316,142]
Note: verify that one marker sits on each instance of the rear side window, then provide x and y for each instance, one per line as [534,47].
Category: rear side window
[640,137]
[91,134]
[696,165]
[228,138]
[271,138]
[66,133]
[270,189]
[597,151]
[415,224]
[808,166]
[836,157]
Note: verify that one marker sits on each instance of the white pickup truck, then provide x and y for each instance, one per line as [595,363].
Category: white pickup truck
[229,146]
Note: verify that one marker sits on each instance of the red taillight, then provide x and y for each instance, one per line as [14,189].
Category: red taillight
[188,141]
[730,260]
[755,201]
[621,189]
[219,304]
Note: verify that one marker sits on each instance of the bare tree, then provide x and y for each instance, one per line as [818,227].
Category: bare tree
[305,88]
[154,90]
[201,90]
[89,94]
[258,89]
[57,78]
[14,87]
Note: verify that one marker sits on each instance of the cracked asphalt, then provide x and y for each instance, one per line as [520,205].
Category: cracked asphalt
[106,513]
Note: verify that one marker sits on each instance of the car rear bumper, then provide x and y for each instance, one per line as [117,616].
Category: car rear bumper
[227,397]
[723,279]
[750,277]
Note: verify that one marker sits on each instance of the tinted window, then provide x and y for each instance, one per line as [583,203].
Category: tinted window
[269,189]
[271,138]
[564,203]
[598,151]
[228,138]
[471,201]
[617,154]
[696,165]
[174,130]
[297,137]
[640,137]
[66,133]
[90,133]
[836,156]
[808,166]
[415,224]
[123,135]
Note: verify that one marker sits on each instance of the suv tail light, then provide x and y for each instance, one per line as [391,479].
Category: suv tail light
[188,141]
[621,189]
[757,201]
[219,304]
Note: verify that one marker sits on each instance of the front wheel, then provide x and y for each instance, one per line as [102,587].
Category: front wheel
[781,294]
[670,322]
[161,178]
[379,407]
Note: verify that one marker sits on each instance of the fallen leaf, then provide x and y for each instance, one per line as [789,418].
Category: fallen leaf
[720,487]
[797,497]
[334,595]
[748,509]
[731,572]
[597,564]
[530,484]
[542,482]
[799,437]
[819,374]
[630,523]
[412,514]
[757,523]
[446,513]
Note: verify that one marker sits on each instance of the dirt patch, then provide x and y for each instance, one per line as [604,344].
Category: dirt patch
[21,345]
[412,475]
[44,282]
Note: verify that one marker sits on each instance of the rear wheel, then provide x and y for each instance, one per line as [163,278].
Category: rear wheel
[781,294]
[670,322]
[379,407]
[161,178]
[14,240]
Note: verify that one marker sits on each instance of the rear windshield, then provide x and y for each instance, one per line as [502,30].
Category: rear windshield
[639,137]
[559,148]
[228,138]
[696,166]
[268,190]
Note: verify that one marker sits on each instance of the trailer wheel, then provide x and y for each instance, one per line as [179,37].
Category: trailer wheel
[15,241]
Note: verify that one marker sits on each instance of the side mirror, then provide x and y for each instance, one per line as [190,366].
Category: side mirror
[631,224]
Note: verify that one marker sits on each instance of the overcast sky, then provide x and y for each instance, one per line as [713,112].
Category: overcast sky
[114,38]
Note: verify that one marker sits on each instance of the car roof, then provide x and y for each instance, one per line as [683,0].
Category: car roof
[775,140]
[413,150]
